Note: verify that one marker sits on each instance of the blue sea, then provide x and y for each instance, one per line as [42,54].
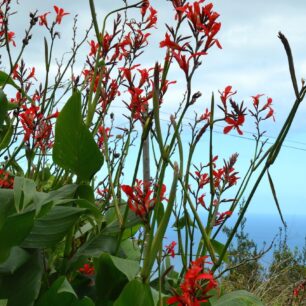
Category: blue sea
[263,229]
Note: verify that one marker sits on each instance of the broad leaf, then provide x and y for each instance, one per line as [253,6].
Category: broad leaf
[22,287]
[61,293]
[75,148]
[6,79]
[135,293]
[109,279]
[17,258]
[51,228]
[15,229]
[238,298]
[3,107]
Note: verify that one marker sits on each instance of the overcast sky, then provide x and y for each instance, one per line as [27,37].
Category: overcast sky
[252,61]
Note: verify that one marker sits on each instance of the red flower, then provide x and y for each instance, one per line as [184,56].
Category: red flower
[10,38]
[43,19]
[234,124]
[6,179]
[197,283]
[203,179]
[102,131]
[221,217]
[93,48]
[139,198]
[144,7]
[226,94]
[256,99]
[60,13]
[170,249]
[167,42]
[87,269]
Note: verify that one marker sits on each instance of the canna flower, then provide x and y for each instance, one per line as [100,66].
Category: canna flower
[87,269]
[139,198]
[43,19]
[60,13]
[170,249]
[197,283]
[222,216]
[6,179]
[167,42]
[234,124]
[227,92]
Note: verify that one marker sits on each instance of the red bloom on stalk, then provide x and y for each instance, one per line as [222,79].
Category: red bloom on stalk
[10,38]
[197,283]
[87,269]
[139,198]
[6,179]
[60,13]
[167,42]
[102,133]
[170,249]
[144,7]
[202,179]
[234,124]
[43,19]
[93,47]
[227,92]
[222,216]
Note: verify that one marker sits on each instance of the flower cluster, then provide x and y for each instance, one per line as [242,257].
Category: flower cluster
[139,198]
[60,13]
[87,269]
[6,179]
[196,285]
[37,127]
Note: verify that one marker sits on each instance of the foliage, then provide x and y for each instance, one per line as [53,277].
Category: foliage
[79,223]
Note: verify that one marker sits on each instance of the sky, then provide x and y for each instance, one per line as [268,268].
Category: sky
[252,60]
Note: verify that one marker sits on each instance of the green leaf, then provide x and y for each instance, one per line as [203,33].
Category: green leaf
[74,148]
[130,249]
[238,298]
[135,293]
[90,207]
[275,198]
[218,246]
[15,229]
[61,293]
[24,192]
[6,205]
[3,107]
[17,258]
[96,246]
[84,302]
[52,227]
[6,135]
[6,79]
[22,287]
[86,192]
[109,279]
[3,302]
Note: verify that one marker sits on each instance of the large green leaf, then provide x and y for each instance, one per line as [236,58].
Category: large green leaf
[238,298]
[14,230]
[22,287]
[51,228]
[109,279]
[6,133]
[75,148]
[61,293]
[6,79]
[6,205]
[135,293]
[17,258]
[24,192]
[3,107]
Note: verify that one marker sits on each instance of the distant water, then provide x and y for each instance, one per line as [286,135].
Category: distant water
[263,229]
